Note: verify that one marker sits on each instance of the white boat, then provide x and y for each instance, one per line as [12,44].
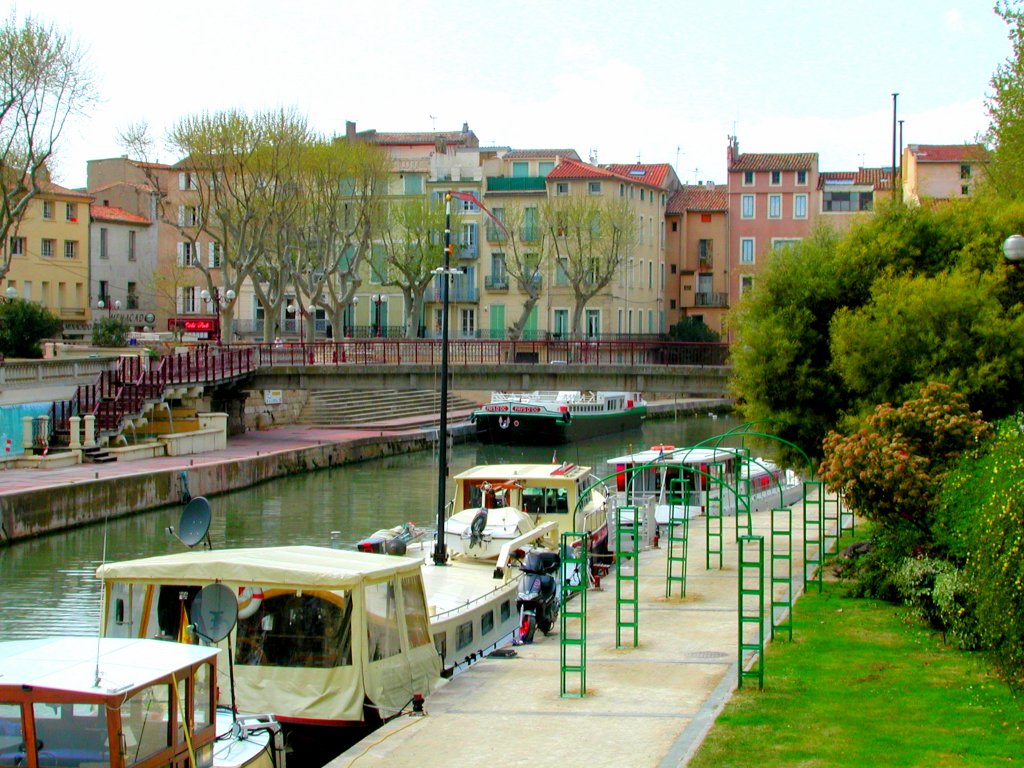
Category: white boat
[554,417]
[696,477]
[65,700]
[325,637]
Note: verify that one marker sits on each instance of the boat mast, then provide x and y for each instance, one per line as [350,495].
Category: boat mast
[440,553]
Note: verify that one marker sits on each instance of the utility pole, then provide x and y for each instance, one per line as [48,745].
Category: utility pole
[894,143]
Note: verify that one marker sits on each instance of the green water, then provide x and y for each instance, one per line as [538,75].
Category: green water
[49,585]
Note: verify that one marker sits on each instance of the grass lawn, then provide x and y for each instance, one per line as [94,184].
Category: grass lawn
[862,686]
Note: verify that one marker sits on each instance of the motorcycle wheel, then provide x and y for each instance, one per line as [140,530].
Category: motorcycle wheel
[544,625]
[527,628]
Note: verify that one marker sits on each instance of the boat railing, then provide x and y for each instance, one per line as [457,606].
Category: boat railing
[473,601]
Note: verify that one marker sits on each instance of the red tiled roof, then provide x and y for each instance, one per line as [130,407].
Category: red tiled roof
[653,174]
[699,197]
[49,188]
[949,153]
[574,169]
[541,154]
[111,213]
[801,161]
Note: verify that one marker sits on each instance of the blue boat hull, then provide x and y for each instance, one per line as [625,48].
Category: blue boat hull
[519,429]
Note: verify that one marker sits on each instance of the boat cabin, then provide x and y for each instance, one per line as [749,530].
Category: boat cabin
[88,703]
[320,631]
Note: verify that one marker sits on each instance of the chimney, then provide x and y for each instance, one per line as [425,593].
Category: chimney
[350,129]
[465,127]
[734,150]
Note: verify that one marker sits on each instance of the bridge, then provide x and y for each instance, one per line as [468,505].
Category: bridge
[690,369]
[122,387]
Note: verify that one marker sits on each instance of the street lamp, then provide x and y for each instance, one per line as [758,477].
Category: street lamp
[215,299]
[1013,248]
[291,308]
[110,306]
[378,299]
[11,293]
[351,321]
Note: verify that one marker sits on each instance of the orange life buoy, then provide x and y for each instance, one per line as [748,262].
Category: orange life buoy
[663,447]
[249,600]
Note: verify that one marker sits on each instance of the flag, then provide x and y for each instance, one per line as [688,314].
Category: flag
[554,456]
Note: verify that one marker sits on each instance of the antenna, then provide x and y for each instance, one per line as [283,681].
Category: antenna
[677,155]
[433,122]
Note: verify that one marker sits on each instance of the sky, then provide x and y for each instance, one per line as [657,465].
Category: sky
[659,82]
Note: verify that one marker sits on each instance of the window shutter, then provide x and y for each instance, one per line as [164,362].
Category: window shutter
[179,299]
[181,181]
[181,254]
[212,255]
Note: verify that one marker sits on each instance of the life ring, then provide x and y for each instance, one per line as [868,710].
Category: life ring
[249,600]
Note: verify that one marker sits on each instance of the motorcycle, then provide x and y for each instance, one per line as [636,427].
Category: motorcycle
[538,594]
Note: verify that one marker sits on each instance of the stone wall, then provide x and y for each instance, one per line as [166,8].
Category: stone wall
[261,414]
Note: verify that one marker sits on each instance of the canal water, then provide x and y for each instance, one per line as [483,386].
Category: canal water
[49,584]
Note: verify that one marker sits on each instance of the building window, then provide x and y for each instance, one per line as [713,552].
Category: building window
[746,284]
[780,242]
[469,203]
[965,171]
[47,209]
[189,216]
[801,178]
[71,212]
[774,206]
[49,245]
[747,250]
[562,188]
[747,207]
[705,253]
[594,187]
[17,246]
[187,255]
[133,297]
[215,255]
[131,245]
[413,184]
[520,170]
[622,190]
[103,243]
[775,179]
[70,249]
[799,206]
[965,190]
[847,201]
[748,178]
[675,226]
[187,180]
[544,167]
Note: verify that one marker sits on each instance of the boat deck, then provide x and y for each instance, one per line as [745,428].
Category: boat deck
[645,706]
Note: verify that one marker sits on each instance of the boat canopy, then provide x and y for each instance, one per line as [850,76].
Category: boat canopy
[294,567]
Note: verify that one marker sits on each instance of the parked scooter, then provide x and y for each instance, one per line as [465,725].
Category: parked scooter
[538,594]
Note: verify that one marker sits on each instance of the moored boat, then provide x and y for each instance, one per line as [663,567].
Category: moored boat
[65,700]
[551,418]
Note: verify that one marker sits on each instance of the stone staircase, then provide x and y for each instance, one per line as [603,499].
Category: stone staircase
[381,408]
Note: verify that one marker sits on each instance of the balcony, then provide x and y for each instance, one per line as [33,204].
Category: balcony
[467,252]
[516,184]
[707,299]
[496,283]
[456,293]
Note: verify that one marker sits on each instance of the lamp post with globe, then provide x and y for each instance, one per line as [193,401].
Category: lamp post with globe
[109,305]
[378,300]
[218,304]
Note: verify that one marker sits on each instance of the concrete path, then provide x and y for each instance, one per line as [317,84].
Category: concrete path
[645,706]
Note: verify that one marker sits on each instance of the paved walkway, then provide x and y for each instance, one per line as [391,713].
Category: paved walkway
[645,706]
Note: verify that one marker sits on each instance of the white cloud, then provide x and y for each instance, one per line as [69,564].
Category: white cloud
[953,21]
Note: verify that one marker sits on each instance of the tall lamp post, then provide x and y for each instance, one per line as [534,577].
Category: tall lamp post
[351,319]
[215,299]
[378,299]
[300,314]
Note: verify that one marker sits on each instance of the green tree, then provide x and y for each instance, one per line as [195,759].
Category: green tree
[23,325]
[110,332]
[1006,110]
[589,239]
[44,81]
[950,328]
[692,329]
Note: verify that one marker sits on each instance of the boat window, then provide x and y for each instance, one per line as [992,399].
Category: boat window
[416,621]
[71,733]
[289,630]
[146,722]
[465,635]
[545,501]
[506,610]
[10,735]
[202,700]
[382,621]
[172,610]
[486,623]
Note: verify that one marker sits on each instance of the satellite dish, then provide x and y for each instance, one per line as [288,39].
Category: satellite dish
[214,612]
[195,521]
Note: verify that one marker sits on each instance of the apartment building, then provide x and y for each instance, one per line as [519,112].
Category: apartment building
[942,171]
[50,256]
[515,188]
[848,195]
[168,196]
[122,249]
[771,206]
[697,255]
